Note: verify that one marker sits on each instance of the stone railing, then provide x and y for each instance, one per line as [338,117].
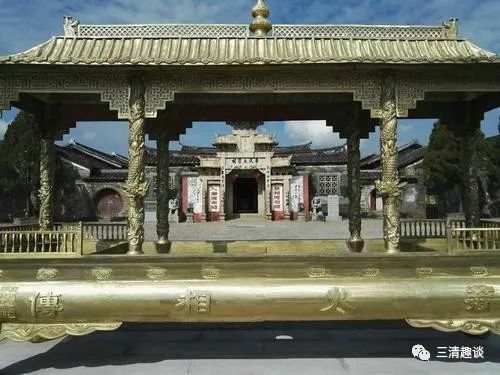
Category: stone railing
[18,227]
[105,231]
[490,223]
[278,31]
[57,242]
[473,239]
[427,228]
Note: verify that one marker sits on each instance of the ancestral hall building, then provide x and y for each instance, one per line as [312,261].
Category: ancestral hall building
[262,179]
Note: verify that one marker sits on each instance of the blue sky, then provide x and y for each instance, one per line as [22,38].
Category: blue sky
[25,23]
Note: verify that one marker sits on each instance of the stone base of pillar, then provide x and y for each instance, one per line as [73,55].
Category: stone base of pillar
[301,216]
[189,218]
[355,244]
[163,246]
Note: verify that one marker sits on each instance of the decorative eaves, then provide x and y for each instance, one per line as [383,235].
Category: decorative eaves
[246,51]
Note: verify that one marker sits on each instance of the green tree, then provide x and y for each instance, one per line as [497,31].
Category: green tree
[19,155]
[19,166]
[441,165]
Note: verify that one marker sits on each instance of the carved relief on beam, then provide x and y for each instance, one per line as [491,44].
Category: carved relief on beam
[156,96]
[113,87]
[45,332]
[364,87]
[412,86]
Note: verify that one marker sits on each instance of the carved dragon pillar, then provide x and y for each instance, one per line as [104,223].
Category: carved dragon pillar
[47,165]
[355,241]
[162,179]
[136,186]
[389,186]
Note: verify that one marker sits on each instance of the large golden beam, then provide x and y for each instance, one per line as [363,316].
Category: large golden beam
[424,289]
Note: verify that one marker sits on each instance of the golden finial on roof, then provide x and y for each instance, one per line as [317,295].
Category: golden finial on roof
[260,25]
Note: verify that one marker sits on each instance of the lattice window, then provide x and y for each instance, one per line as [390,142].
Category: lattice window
[329,184]
[153,187]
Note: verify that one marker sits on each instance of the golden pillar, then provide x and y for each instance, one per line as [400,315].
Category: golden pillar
[389,186]
[162,191]
[47,165]
[355,241]
[136,186]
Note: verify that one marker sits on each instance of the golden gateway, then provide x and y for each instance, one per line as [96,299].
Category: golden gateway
[54,282]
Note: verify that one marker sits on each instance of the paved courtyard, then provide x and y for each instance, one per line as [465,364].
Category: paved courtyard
[302,348]
[261,229]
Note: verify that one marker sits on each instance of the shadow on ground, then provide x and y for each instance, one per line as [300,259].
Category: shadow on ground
[150,343]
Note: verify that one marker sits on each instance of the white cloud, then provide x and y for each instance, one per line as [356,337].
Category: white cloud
[3,128]
[312,131]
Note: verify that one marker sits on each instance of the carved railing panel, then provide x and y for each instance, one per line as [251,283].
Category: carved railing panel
[97,231]
[490,223]
[278,31]
[463,239]
[423,228]
[41,242]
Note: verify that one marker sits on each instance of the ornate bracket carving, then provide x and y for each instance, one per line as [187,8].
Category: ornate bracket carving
[471,326]
[45,332]
[113,87]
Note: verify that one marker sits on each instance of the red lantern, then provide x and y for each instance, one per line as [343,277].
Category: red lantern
[256,175]
[234,177]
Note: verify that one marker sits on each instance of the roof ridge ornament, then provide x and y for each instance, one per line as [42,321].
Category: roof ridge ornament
[70,26]
[450,28]
[260,25]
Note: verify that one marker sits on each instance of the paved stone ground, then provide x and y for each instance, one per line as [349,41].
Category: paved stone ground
[261,229]
[321,348]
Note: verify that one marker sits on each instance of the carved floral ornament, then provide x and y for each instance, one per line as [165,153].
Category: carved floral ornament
[161,87]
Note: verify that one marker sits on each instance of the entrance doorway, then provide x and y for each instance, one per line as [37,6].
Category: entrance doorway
[245,196]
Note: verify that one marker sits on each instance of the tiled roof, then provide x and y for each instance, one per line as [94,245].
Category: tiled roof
[293,149]
[407,154]
[411,157]
[158,51]
[106,175]
[177,158]
[370,174]
[89,157]
[198,150]
[333,155]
